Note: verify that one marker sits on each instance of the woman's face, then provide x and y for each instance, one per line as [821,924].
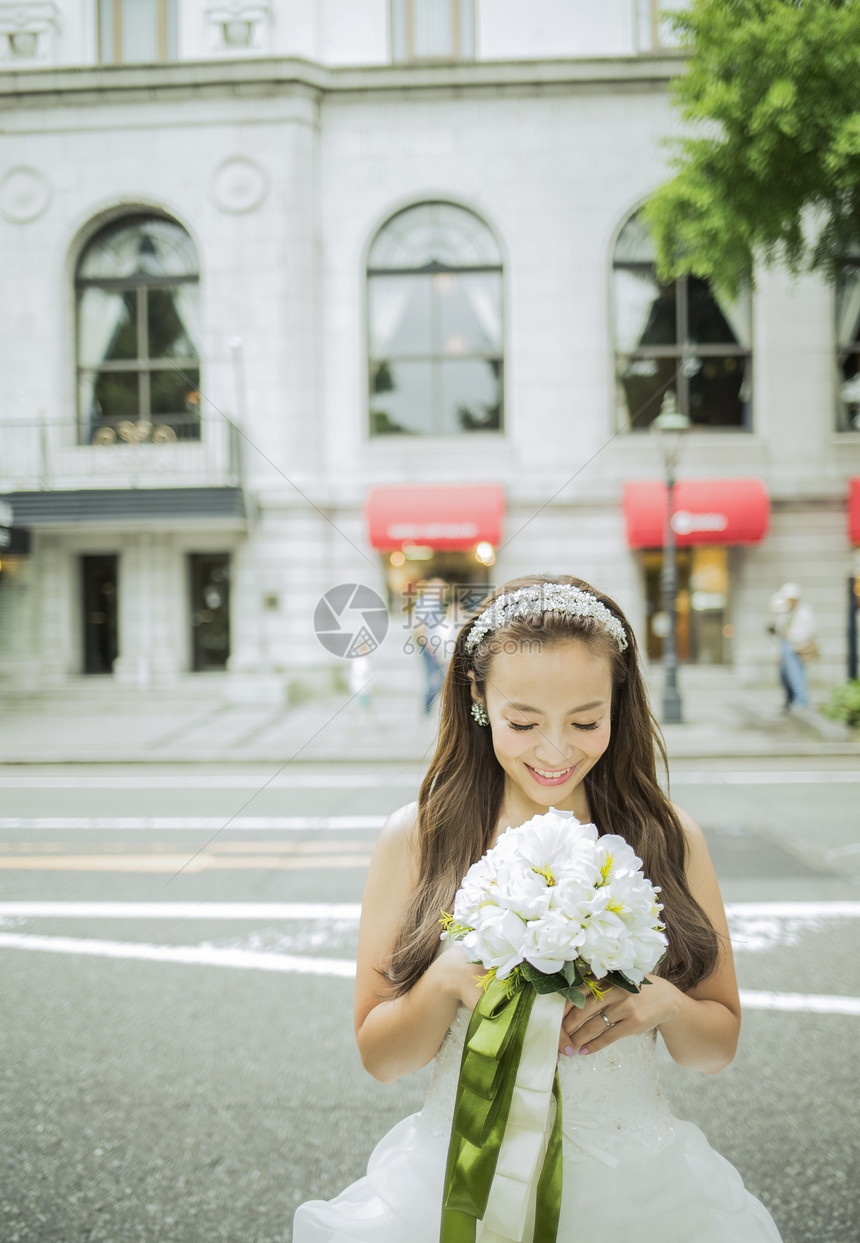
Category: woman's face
[549,713]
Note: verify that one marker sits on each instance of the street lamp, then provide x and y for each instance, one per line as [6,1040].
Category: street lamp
[669,429]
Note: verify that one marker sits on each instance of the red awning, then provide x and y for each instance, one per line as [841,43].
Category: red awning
[854,510]
[707,511]
[442,517]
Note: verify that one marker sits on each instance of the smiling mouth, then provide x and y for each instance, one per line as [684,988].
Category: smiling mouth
[551,775]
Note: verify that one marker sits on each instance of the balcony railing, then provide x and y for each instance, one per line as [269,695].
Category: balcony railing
[47,454]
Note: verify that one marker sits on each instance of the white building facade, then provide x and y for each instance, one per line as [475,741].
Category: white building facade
[304,294]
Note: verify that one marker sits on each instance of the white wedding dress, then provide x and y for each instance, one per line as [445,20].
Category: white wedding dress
[632,1171]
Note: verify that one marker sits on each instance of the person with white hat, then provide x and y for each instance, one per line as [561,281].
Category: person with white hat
[794,626]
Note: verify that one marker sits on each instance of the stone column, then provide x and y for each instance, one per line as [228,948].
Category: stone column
[169,606]
[132,666]
[60,637]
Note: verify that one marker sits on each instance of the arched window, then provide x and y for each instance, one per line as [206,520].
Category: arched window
[434,291]
[848,340]
[681,337]
[138,333]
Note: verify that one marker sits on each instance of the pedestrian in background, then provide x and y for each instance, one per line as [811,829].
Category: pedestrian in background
[794,626]
[434,635]
[360,682]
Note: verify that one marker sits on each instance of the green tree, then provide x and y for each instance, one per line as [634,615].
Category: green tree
[769,170]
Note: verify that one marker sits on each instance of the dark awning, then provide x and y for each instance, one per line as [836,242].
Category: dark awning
[123,505]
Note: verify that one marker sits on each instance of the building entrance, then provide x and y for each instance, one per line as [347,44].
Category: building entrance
[704,630]
[209,574]
[467,581]
[99,586]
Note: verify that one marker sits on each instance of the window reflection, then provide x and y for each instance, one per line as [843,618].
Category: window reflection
[470,397]
[435,324]
[681,336]
[848,342]
[712,322]
[138,306]
[402,398]
[400,315]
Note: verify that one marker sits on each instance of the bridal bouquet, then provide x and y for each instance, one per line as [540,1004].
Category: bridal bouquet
[553,911]
[557,906]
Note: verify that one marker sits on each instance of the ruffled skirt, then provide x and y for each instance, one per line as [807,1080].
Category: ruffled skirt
[682,1191]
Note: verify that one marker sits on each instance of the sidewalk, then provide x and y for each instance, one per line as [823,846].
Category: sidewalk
[102,724]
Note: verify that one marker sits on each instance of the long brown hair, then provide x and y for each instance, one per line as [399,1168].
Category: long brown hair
[460,798]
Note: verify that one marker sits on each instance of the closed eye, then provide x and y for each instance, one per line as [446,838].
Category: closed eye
[520,728]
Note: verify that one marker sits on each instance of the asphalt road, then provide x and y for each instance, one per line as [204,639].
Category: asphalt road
[186,1072]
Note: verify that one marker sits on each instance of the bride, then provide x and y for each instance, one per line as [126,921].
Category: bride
[544,705]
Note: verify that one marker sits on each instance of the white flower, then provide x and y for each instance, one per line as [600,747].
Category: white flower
[553,891]
[521,890]
[573,896]
[617,856]
[498,942]
[552,941]
[549,840]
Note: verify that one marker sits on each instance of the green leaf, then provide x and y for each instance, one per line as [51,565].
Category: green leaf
[549,983]
[575,995]
[620,980]
[540,981]
[768,92]
[572,973]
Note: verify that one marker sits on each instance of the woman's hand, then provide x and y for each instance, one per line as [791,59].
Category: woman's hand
[616,1015]
[459,976]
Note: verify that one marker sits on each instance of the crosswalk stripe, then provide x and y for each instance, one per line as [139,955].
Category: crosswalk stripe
[204,861]
[182,910]
[346,910]
[378,780]
[198,955]
[182,824]
[211,956]
[805,1003]
[320,780]
[794,910]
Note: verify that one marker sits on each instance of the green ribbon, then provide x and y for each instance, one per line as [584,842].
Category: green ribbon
[548,1209]
[488,1071]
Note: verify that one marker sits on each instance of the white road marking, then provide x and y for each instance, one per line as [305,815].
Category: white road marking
[794,910]
[762,926]
[203,861]
[347,910]
[326,780]
[182,910]
[839,851]
[682,777]
[321,780]
[808,1003]
[199,955]
[182,824]
[255,960]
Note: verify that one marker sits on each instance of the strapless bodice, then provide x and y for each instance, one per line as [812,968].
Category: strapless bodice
[611,1100]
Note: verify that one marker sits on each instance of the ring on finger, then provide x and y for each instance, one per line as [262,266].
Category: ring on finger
[607,1022]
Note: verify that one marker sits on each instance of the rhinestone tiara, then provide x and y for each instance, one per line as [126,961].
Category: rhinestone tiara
[532,602]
